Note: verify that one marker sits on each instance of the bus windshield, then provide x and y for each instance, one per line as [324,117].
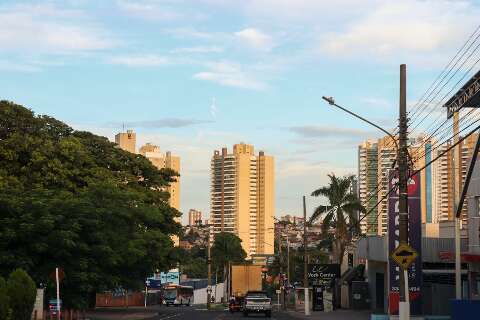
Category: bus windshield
[170,293]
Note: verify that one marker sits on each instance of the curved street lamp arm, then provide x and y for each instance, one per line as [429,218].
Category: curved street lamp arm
[332,102]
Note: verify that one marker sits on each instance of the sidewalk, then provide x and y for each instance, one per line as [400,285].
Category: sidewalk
[334,315]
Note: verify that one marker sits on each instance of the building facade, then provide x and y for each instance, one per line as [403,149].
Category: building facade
[194,217]
[242,197]
[367,185]
[127,140]
[167,160]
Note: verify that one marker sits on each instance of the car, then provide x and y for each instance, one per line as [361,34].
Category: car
[257,302]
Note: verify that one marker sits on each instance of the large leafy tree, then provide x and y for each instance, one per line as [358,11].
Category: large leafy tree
[340,215]
[227,248]
[75,200]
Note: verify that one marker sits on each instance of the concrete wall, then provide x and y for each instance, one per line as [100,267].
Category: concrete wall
[200,295]
[374,267]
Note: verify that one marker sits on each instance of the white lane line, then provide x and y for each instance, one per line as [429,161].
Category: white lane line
[170,316]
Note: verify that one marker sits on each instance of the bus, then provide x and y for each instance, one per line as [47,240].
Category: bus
[177,295]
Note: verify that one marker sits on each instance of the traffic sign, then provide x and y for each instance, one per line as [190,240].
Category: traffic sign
[404,255]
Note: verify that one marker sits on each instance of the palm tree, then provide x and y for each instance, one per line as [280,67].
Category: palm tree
[340,215]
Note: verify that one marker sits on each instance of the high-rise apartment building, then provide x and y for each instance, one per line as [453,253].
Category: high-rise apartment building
[242,197]
[443,168]
[126,140]
[437,190]
[194,217]
[367,185]
[167,160]
[387,154]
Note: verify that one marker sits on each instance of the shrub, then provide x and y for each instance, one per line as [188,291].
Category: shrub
[22,292]
[4,301]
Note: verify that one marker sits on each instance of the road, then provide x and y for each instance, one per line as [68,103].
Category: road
[194,313]
[200,313]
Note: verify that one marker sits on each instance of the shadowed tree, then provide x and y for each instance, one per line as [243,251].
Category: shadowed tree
[226,248]
[340,215]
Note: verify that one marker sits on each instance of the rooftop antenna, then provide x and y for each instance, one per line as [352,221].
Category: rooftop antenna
[123,126]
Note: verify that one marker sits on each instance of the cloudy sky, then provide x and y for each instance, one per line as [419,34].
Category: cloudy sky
[195,75]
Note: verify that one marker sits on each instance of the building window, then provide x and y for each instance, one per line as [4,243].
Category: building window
[477,201]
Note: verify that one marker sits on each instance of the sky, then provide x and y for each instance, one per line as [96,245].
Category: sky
[193,76]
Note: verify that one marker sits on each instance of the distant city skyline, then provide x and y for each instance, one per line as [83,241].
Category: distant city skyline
[192,75]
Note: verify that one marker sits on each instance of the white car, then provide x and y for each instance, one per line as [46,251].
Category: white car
[257,302]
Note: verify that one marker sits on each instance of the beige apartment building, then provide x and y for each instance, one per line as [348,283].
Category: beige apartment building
[444,169]
[242,197]
[165,160]
[127,141]
[387,154]
[367,185]
[194,217]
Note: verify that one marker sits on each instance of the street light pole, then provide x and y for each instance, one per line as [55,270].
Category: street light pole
[404,307]
[331,102]
[305,266]
[209,281]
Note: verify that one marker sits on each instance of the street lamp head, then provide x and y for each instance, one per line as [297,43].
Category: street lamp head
[330,100]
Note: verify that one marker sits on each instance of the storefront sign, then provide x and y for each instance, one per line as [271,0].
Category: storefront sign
[323,274]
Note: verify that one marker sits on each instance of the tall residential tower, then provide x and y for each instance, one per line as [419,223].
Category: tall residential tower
[242,197]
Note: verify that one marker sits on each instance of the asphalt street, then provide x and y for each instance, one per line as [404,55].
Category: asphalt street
[195,313]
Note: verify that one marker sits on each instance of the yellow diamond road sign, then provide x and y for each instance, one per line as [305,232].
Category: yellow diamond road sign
[404,255]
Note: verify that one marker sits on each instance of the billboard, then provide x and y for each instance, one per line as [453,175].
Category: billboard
[414,240]
[172,277]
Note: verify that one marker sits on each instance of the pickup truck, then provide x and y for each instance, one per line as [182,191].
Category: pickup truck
[257,302]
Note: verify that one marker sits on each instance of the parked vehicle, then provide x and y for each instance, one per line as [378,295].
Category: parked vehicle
[257,302]
[177,295]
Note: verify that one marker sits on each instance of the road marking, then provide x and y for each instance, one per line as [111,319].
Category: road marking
[171,316]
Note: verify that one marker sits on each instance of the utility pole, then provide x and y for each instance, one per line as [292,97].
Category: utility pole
[404,307]
[305,267]
[209,281]
[457,174]
[280,262]
[288,261]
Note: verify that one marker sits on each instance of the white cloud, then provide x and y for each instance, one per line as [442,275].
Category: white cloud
[213,108]
[199,49]
[231,75]
[149,10]
[149,60]
[403,29]
[164,11]
[13,66]
[255,39]
[47,29]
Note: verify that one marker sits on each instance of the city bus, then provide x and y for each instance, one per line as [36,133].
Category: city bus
[177,295]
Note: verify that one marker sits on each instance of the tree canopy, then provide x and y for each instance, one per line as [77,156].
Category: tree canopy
[75,200]
[226,248]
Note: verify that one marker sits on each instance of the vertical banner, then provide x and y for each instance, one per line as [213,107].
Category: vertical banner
[414,240]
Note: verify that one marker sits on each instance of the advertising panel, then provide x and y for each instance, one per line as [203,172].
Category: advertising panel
[414,240]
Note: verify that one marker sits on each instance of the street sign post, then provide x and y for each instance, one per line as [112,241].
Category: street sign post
[404,255]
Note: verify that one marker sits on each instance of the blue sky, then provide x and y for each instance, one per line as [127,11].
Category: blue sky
[195,75]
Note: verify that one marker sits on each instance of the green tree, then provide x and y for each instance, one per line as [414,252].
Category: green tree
[340,215]
[22,292]
[4,300]
[74,200]
[226,248]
